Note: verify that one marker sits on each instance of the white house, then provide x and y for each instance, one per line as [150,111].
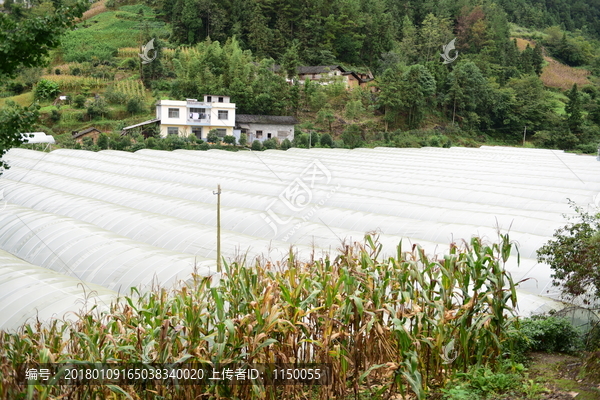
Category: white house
[263,127]
[193,117]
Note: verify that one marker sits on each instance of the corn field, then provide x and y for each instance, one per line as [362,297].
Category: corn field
[70,82]
[130,88]
[128,52]
[384,326]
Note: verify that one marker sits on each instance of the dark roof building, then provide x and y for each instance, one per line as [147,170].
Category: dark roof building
[89,132]
[265,119]
[263,127]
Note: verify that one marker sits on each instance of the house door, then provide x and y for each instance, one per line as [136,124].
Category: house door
[197,131]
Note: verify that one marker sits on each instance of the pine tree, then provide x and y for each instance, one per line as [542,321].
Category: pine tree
[573,110]
[538,59]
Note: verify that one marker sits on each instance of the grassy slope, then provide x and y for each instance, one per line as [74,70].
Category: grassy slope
[108,31]
[555,74]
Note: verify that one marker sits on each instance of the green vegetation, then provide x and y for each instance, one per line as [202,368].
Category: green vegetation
[492,93]
[106,33]
[573,255]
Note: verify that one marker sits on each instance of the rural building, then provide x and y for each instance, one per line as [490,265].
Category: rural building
[193,117]
[325,74]
[263,127]
[89,132]
[146,128]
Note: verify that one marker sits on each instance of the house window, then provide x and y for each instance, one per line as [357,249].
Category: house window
[173,112]
[258,134]
[268,135]
[220,99]
[173,130]
[223,114]
[221,132]
[197,113]
[209,99]
[197,131]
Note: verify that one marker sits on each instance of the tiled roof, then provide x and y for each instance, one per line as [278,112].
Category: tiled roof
[265,119]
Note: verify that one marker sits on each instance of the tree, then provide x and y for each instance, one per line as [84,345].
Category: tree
[15,120]
[573,110]
[135,105]
[102,142]
[434,33]
[417,87]
[213,136]
[326,140]
[352,136]
[389,96]
[538,59]
[291,60]
[326,117]
[25,40]
[468,93]
[97,108]
[79,101]
[574,255]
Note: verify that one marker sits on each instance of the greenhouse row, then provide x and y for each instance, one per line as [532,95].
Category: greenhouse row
[112,220]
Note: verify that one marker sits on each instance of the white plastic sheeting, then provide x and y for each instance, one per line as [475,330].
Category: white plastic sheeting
[91,254]
[28,292]
[314,198]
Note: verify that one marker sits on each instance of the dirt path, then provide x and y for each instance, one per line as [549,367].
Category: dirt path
[561,374]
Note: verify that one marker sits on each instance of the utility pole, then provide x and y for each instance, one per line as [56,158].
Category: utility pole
[218,193]
[524,133]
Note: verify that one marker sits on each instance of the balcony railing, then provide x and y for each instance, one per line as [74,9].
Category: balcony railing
[198,118]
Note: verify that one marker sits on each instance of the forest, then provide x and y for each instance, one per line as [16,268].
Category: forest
[527,72]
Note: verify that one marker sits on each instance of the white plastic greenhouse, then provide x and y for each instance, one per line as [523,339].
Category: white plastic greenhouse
[119,219]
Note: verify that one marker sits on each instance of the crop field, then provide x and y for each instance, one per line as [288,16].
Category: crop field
[109,31]
[72,83]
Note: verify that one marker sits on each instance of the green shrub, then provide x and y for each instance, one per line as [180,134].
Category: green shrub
[203,146]
[135,105]
[213,136]
[46,89]
[270,144]
[286,144]
[326,140]
[79,101]
[301,139]
[130,63]
[243,139]
[548,334]
[587,148]
[97,108]
[230,139]
[55,115]
[257,145]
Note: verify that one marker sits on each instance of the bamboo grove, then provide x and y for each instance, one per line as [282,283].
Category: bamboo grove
[382,324]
